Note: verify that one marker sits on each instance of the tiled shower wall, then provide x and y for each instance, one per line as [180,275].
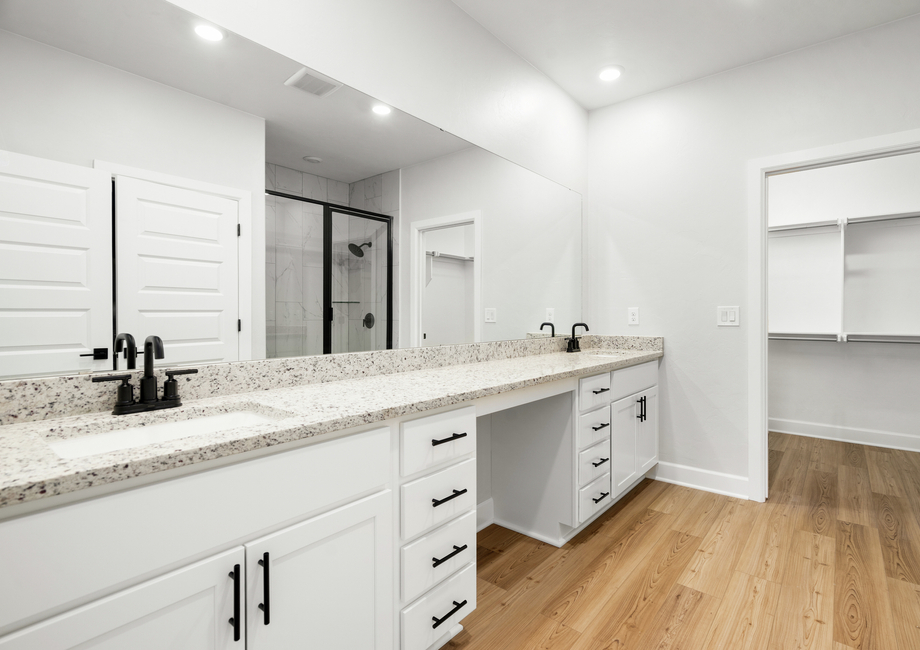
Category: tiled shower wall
[294,264]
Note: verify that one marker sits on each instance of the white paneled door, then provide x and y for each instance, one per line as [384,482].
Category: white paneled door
[177,270]
[55,267]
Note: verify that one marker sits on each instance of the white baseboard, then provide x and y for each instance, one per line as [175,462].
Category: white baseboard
[870,437]
[701,479]
[485,514]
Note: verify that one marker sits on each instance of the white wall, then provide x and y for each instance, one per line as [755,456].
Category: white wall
[667,210]
[63,107]
[531,236]
[430,59]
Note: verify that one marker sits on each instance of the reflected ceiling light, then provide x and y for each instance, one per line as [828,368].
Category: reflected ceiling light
[209,33]
[313,159]
[382,109]
[611,72]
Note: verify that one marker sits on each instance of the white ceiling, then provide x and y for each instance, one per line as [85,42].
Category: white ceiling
[155,39]
[662,43]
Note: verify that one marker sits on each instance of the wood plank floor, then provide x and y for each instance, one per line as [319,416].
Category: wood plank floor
[830,562]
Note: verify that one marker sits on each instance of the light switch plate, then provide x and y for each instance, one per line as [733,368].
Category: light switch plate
[491,315]
[728,316]
[550,315]
[632,315]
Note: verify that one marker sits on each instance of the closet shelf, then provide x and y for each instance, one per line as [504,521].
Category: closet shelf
[448,256]
[804,226]
[851,220]
[849,337]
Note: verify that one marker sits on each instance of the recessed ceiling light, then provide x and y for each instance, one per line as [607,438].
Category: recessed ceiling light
[313,159]
[209,33]
[382,109]
[611,72]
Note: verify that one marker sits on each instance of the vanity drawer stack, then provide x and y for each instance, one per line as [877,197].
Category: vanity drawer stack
[592,444]
[437,559]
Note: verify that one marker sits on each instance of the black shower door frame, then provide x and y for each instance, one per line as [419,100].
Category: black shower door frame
[328,209]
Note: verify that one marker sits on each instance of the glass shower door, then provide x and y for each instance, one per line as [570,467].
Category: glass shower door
[360,281]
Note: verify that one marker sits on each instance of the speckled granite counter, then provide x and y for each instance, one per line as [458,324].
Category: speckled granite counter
[31,470]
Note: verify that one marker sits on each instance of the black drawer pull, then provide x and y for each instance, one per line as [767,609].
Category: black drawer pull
[456,436]
[457,549]
[598,428]
[603,460]
[599,391]
[436,502]
[601,497]
[98,354]
[438,621]
[236,620]
[265,605]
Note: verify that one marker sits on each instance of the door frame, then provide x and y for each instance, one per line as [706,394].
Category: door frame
[417,230]
[757,173]
[247,342]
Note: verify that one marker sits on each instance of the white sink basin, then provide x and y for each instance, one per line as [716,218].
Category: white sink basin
[602,354]
[102,443]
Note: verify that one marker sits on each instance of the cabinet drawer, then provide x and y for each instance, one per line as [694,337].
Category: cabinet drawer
[627,381]
[593,427]
[418,558]
[599,490]
[425,501]
[593,462]
[593,391]
[436,440]
[456,597]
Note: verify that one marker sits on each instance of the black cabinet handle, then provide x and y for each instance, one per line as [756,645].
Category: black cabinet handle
[436,502]
[235,621]
[599,391]
[98,354]
[457,549]
[265,605]
[598,428]
[438,621]
[603,460]
[601,497]
[639,402]
[456,436]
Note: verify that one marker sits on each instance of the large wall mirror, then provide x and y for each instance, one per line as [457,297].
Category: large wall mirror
[260,208]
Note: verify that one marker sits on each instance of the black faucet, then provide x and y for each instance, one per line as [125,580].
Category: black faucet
[552,329]
[153,348]
[573,342]
[130,349]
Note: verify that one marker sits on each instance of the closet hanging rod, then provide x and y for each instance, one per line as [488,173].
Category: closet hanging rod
[803,226]
[882,338]
[801,336]
[449,256]
[885,217]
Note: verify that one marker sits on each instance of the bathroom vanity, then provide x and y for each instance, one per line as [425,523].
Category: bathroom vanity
[344,516]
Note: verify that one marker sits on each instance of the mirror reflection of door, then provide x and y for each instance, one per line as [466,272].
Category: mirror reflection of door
[447,294]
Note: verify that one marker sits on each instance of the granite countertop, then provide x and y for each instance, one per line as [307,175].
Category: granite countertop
[30,469]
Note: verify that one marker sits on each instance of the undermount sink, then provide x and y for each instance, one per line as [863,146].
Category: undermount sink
[102,443]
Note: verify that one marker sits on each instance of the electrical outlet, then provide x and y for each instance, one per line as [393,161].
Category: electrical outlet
[550,315]
[728,316]
[632,315]
[491,315]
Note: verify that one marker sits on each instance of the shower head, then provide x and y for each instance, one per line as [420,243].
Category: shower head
[356,250]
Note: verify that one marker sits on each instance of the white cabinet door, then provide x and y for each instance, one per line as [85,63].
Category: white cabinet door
[326,582]
[647,432]
[187,609]
[623,443]
[177,269]
[55,267]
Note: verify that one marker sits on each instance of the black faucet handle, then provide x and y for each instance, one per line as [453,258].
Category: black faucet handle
[171,386]
[125,392]
[111,378]
[185,371]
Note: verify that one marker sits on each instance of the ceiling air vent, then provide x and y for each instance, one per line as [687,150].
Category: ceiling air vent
[313,82]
